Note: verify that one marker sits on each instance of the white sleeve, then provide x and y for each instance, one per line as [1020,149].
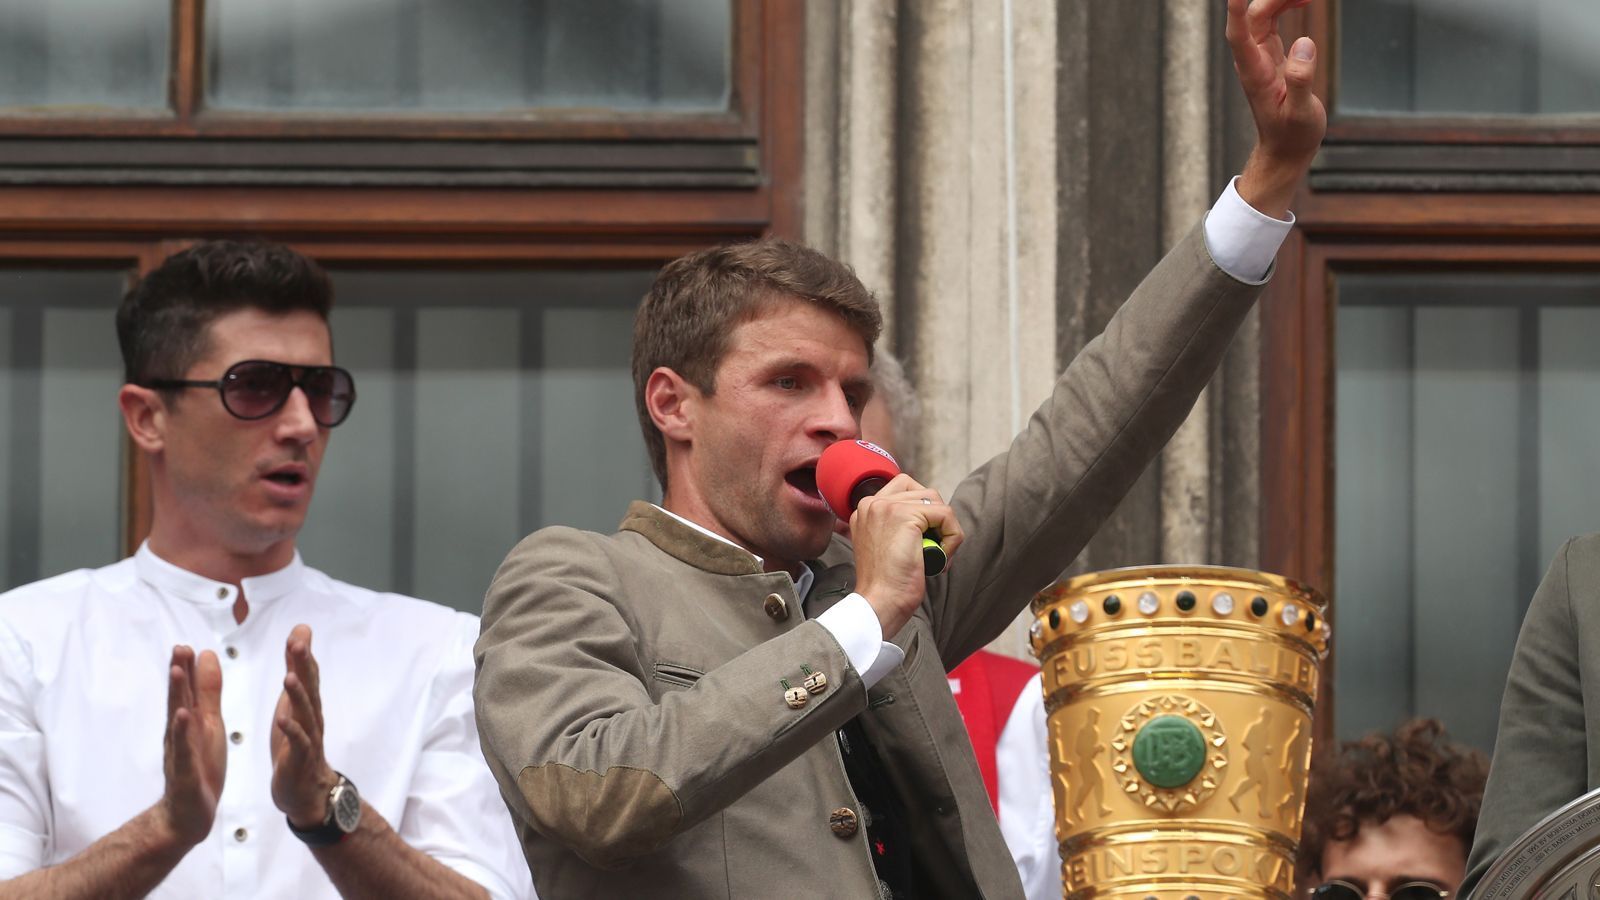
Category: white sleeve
[454,812]
[1243,240]
[1027,818]
[855,626]
[24,786]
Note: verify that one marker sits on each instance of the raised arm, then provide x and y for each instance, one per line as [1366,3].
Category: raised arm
[132,860]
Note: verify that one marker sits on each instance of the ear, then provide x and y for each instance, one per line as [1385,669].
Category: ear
[672,402]
[145,415]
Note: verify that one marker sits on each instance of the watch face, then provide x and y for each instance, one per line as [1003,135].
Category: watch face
[346,807]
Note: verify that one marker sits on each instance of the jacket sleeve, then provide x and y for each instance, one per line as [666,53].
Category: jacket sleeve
[583,754]
[1029,511]
[1541,752]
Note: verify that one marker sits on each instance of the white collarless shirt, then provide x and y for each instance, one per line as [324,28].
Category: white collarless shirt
[83,683]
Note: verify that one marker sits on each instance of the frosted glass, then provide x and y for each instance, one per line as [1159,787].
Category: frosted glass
[469,55]
[89,54]
[1468,57]
[61,439]
[1467,449]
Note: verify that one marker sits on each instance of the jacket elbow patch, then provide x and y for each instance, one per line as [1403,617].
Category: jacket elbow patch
[606,819]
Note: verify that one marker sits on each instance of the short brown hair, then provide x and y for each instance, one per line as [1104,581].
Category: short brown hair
[687,317]
[163,320]
[1416,771]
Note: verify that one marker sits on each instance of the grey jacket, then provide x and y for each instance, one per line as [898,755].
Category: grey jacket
[1547,751]
[630,689]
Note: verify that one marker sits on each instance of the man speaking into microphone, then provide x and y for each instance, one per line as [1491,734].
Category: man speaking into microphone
[725,699]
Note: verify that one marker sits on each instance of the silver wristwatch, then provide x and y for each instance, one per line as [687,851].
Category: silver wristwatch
[344,814]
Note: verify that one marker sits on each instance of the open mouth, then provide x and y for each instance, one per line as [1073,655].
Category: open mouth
[289,476]
[804,480]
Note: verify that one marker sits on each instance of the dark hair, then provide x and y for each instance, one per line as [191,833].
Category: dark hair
[696,301]
[1416,771]
[162,322]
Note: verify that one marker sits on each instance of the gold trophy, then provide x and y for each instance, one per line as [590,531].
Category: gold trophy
[1180,702]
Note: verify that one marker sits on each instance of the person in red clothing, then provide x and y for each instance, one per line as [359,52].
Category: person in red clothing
[1000,698]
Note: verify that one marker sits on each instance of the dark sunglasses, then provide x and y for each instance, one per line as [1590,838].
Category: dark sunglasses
[1411,890]
[257,388]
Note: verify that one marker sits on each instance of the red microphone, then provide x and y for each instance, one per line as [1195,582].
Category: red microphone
[849,471]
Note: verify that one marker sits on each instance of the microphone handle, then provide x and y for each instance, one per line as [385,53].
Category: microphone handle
[934,558]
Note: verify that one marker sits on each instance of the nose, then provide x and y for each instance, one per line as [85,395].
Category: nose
[295,422]
[835,419]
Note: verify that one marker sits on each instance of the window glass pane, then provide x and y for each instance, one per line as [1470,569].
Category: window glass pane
[84,53]
[1468,449]
[60,433]
[490,405]
[469,55]
[1448,57]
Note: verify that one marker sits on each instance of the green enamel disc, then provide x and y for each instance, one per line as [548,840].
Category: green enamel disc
[1169,751]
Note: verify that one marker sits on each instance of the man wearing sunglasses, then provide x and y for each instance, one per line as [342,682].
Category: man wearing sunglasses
[1390,817]
[273,769]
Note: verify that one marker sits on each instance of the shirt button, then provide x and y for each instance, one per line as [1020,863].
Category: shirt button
[239,834]
[777,608]
[236,737]
[222,593]
[796,697]
[844,822]
[233,652]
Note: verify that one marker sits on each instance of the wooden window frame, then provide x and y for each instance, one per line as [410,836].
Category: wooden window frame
[187,145]
[1430,153]
[1395,195]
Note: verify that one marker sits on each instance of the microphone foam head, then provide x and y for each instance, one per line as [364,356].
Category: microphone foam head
[844,465]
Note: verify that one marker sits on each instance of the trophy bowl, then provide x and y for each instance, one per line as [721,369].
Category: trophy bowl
[1180,704]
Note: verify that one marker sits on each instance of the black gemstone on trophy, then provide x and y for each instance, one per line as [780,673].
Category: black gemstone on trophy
[1055,618]
[1185,601]
[1258,607]
[1311,621]
[1113,605]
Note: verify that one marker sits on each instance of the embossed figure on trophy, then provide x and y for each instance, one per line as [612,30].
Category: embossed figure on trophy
[1257,765]
[1090,780]
[1296,759]
[1060,775]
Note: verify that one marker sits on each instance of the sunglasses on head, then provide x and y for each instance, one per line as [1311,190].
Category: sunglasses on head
[1411,890]
[257,388]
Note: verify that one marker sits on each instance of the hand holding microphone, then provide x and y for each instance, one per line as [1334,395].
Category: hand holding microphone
[902,531]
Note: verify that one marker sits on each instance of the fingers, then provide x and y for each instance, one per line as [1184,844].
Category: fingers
[925,507]
[1299,70]
[207,685]
[303,663]
[303,710]
[299,740]
[181,748]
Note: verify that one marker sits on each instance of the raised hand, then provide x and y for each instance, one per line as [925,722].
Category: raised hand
[301,776]
[1290,119]
[195,760]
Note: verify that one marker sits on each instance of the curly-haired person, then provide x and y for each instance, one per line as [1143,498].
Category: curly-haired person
[1392,815]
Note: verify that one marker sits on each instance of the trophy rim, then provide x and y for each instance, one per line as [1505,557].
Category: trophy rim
[1179,573]
[1515,873]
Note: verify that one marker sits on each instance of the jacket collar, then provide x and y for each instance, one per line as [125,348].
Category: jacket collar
[684,542]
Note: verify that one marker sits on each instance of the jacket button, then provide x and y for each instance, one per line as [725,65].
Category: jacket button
[843,822]
[777,607]
[796,697]
[816,682]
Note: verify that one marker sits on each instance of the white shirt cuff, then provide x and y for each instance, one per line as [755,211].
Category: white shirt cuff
[855,626]
[1243,240]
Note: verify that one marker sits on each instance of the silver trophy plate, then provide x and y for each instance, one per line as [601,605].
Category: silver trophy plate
[1557,859]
